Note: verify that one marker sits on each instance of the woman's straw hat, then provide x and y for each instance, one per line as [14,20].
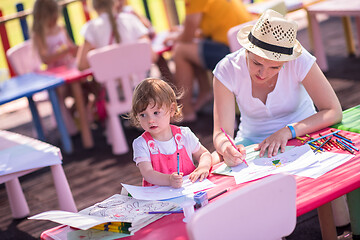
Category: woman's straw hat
[272,37]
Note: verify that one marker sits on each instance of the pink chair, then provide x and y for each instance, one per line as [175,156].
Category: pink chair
[23,58]
[265,209]
[119,67]
[232,33]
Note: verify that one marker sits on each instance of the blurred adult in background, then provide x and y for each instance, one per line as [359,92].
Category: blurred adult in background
[121,6]
[199,46]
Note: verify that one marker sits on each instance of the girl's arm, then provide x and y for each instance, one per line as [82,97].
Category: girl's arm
[81,56]
[204,158]
[329,112]
[157,178]
[224,117]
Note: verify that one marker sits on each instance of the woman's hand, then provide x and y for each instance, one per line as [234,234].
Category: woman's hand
[233,157]
[275,141]
[176,180]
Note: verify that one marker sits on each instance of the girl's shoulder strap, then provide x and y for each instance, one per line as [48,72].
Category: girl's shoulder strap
[147,136]
[175,129]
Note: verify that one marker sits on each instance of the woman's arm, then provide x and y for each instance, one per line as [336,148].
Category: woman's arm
[224,117]
[203,156]
[329,112]
[157,178]
[191,25]
[81,56]
[324,98]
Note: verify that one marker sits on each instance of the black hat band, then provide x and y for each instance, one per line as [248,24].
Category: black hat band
[269,47]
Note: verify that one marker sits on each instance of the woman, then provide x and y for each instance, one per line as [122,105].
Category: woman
[276,83]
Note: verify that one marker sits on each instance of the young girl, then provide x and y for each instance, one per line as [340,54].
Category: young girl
[55,48]
[50,39]
[158,150]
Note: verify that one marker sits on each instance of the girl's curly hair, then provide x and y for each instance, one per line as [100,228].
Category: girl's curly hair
[154,91]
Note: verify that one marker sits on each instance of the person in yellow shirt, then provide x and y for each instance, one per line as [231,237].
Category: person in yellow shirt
[199,46]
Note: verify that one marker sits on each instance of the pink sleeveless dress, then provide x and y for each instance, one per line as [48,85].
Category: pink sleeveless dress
[168,163]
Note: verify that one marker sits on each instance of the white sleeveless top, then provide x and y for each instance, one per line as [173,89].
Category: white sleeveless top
[289,102]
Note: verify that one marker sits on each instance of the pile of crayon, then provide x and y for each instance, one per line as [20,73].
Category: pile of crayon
[118,227]
[328,141]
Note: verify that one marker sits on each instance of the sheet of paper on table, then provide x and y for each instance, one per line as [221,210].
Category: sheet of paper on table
[162,192]
[301,161]
[117,208]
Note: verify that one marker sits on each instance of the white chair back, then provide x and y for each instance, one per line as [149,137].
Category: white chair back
[120,67]
[264,209]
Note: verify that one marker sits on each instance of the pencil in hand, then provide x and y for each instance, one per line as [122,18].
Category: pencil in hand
[233,144]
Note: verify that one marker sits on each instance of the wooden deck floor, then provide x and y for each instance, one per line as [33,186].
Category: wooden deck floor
[96,174]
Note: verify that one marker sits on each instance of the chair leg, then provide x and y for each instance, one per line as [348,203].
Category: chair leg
[65,197]
[18,204]
[119,143]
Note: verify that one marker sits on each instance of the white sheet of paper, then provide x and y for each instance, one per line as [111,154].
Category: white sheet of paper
[328,161]
[162,192]
[293,160]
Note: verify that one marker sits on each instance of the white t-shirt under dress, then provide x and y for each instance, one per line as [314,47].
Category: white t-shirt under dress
[98,31]
[289,102]
[142,153]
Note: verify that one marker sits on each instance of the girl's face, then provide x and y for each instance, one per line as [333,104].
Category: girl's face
[52,21]
[156,121]
[261,70]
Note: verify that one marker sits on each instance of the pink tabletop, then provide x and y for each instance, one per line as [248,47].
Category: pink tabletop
[68,74]
[311,193]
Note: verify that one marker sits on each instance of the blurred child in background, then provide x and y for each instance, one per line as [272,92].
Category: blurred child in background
[55,48]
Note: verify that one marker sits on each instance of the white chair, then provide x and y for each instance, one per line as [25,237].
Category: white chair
[119,66]
[232,33]
[265,209]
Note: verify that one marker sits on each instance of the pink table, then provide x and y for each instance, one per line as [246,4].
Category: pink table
[339,8]
[311,194]
[74,77]
[21,155]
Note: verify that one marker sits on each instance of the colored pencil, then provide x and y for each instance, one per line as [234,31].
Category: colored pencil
[232,143]
[323,136]
[346,139]
[165,212]
[349,145]
[178,164]
[322,144]
[218,194]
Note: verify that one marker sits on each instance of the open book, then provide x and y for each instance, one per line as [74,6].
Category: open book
[117,208]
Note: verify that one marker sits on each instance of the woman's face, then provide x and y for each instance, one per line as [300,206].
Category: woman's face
[261,70]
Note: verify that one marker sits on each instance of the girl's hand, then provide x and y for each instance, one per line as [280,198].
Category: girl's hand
[233,157]
[275,141]
[199,173]
[176,180]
